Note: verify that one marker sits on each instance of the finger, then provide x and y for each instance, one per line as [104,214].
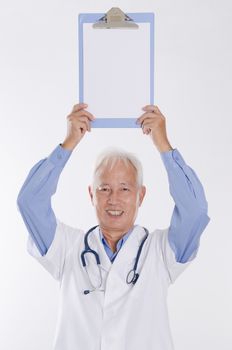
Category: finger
[82,122]
[149,121]
[151,108]
[148,124]
[84,113]
[146,130]
[147,127]
[79,106]
[81,119]
[83,127]
[145,116]
[142,118]
[86,121]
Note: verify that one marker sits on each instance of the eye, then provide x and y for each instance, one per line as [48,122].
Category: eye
[104,189]
[125,189]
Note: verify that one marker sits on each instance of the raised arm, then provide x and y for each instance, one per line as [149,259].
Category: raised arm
[189,217]
[34,199]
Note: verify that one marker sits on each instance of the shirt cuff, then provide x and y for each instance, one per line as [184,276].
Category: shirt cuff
[172,159]
[59,156]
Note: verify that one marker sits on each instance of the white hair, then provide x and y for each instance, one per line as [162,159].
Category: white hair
[110,157]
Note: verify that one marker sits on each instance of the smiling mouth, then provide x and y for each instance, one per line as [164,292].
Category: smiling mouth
[115,212]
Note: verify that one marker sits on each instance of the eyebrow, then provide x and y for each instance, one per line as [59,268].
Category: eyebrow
[121,183]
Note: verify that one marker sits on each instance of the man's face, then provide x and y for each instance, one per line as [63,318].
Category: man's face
[117,197]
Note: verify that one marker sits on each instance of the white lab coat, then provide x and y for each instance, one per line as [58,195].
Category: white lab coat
[123,317]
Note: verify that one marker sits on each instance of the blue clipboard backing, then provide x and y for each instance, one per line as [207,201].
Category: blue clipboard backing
[92,18]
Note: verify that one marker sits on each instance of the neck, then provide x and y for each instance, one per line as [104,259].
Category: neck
[112,237]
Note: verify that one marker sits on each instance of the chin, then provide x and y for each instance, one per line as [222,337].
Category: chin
[109,225]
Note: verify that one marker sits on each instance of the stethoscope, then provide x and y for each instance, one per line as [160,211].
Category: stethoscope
[132,275]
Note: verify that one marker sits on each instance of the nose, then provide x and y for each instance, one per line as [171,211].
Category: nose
[113,197]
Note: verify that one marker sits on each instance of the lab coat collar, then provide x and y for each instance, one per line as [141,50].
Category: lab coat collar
[119,244]
[126,254]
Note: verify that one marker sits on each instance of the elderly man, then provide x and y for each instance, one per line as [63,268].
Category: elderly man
[114,278]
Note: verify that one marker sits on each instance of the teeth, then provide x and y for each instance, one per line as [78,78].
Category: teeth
[115,212]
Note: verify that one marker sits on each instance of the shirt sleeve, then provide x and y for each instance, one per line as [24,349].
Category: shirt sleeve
[189,217]
[34,199]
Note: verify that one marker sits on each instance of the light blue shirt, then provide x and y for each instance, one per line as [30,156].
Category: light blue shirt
[112,255]
[188,220]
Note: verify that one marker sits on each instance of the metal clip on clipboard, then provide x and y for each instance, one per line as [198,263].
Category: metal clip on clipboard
[115,19]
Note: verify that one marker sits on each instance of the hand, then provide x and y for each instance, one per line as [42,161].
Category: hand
[153,123]
[78,122]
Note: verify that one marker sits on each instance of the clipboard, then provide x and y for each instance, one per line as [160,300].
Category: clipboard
[116,66]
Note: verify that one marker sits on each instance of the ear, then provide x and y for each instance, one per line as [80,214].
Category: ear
[142,193]
[91,194]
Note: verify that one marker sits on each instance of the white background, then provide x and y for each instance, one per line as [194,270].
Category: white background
[38,87]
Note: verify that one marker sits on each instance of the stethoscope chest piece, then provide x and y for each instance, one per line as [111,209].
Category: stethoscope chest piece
[132,277]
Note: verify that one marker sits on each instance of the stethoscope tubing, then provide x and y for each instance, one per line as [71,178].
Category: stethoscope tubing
[132,275]
[88,249]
